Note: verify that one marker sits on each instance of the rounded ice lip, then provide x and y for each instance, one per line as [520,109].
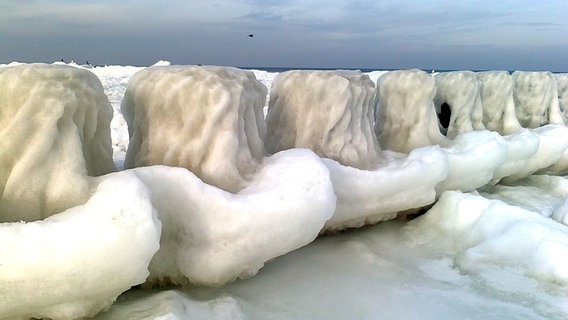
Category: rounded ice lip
[211,236]
[74,264]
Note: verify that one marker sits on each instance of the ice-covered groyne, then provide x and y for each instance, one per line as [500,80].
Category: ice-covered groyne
[198,229]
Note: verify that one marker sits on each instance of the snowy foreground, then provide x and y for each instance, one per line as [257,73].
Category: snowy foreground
[233,237]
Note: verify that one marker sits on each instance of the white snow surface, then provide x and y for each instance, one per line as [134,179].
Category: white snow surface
[471,256]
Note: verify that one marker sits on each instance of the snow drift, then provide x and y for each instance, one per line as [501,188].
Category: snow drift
[54,133]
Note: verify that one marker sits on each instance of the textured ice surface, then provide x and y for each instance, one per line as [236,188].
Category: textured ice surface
[211,236]
[405,115]
[498,103]
[460,90]
[536,99]
[329,112]
[75,263]
[54,133]
[205,118]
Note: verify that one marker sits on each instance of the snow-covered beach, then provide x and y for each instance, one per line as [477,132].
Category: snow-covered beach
[485,252]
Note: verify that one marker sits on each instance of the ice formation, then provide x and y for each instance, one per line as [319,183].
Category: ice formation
[498,103]
[74,264]
[405,115]
[460,91]
[492,238]
[211,237]
[329,112]
[205,118]
[54,133]
[536,99]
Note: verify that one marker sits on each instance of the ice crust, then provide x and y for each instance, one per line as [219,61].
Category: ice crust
[54,134]
[461,91]
[74,264]
[329,112]
[205,118]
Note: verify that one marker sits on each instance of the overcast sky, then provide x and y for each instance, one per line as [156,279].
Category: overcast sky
[381,34]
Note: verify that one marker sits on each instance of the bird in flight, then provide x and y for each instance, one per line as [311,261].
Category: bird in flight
[251,35]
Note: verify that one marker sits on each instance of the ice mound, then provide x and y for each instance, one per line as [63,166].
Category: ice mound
[205,118]
[536,99]
[402,183]
[74,264]
[405,115]
[498,103]
[54,132]
[562,86]
[460,91]
[329,112]
[211,237]
[496,241]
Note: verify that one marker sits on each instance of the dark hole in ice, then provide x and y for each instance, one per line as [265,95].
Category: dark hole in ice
[444,115]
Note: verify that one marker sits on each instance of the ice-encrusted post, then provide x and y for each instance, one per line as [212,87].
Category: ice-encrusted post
[329,112]
[405,115]
[460,90]
[207,119]
[54,133]
[498,103]
[536,99]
